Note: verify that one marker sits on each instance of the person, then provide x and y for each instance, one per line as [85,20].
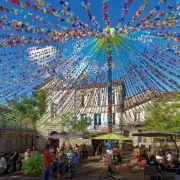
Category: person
[4,164]
[159,166]
[175,162]
[122,148]
[168,157]
[75,162]
[118,157]
[100,149]
[137,152]
[94,145]
[15,159]
[144,156]
[76,148]
[159,157]
[47,162]
[54,168]
[70,153]
[84,153]
[59,153]
[63,164]
[54,165]
[27,154]
[109,147]
[63,158]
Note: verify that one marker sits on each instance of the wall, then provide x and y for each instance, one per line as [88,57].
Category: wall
[11,143]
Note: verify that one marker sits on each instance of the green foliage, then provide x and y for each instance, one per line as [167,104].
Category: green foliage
[164,115]
[32,107]
[75,124]
[33,166]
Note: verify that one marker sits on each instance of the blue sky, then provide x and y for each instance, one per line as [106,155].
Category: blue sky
[19,75]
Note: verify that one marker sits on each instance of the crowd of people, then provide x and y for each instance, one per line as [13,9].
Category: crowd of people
[6,162]
[64,160]
[161,159]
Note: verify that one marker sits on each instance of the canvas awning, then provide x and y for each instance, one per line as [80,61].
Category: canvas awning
[154,133]
[112,136]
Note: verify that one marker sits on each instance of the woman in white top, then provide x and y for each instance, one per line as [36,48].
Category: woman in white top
[168,157]
[76,148]
[4,164]
[159,157]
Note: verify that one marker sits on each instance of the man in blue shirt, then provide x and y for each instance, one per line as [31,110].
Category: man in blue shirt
[109,147]
[75,162]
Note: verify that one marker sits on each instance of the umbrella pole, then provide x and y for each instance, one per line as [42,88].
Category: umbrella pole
[176,146]
[109,87]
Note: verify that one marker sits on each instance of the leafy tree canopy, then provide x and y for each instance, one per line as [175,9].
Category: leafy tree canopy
[75,124]
[32,107]
[164,115]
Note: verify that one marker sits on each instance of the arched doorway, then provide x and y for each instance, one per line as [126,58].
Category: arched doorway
[54,142]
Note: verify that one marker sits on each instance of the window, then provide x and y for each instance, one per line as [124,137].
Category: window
[83,116]
[54,108]
[137,116]
[113,118]
[126,133]
[97,119]
[140,138]
[99,99]
[82,101]
[113,97]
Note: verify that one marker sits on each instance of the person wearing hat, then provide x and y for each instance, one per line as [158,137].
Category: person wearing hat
[47,162]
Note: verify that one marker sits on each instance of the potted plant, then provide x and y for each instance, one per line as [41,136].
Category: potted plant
[33,166]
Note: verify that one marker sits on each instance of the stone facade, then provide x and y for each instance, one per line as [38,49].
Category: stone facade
[91,101]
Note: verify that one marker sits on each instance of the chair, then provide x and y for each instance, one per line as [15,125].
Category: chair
[150,171]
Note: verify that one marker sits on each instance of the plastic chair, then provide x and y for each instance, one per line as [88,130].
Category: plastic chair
[150,171]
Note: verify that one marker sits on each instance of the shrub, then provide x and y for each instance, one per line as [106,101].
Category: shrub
[33,166]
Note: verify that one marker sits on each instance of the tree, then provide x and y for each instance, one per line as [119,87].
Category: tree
[164,115]
[75,124]
[32,108]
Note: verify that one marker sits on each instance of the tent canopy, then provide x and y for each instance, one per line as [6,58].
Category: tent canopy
[61,135]
[68,135]
[113,136]
[154,133]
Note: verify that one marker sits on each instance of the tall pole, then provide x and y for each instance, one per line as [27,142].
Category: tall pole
[122,96]
[109,87]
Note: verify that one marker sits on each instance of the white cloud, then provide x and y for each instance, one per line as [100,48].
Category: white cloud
[42,56]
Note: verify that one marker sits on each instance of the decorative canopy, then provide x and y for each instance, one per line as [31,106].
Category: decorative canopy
[40,40]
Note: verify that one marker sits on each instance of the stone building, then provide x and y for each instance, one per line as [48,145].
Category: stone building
[90,100]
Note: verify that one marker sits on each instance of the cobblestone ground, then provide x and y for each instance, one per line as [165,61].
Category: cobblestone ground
[93,170]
